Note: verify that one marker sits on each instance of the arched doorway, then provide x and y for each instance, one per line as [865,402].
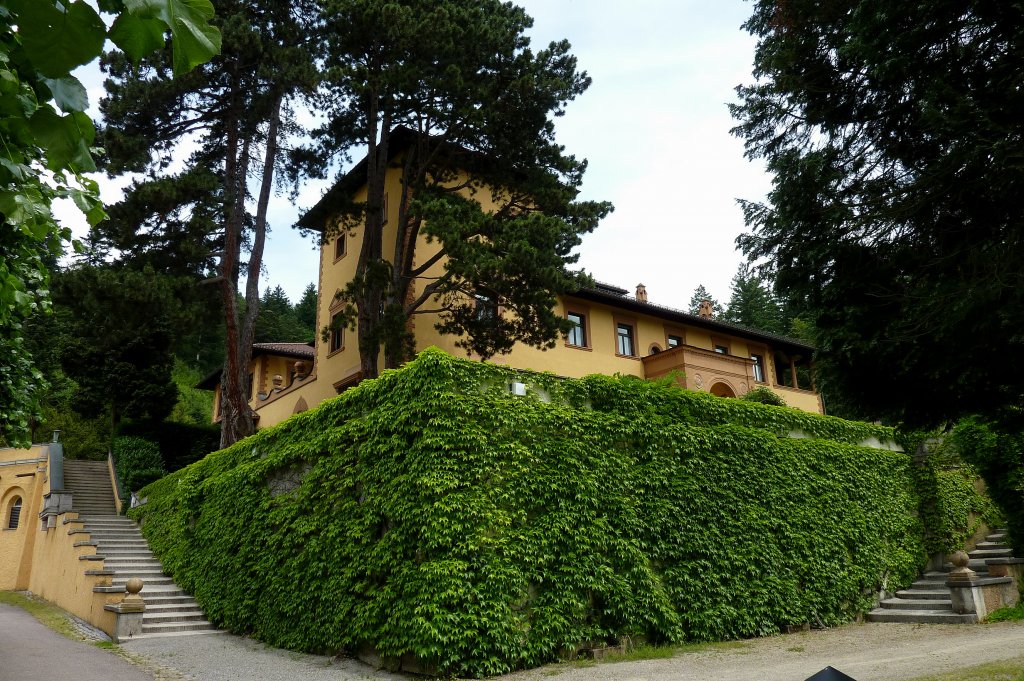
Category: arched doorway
[722,390]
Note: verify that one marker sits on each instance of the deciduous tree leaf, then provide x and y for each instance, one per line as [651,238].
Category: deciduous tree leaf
[69,93]
[137,36]
[57,41]
[194,40]
[66,139]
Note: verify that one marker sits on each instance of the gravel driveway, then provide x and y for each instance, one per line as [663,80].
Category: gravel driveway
[867,652]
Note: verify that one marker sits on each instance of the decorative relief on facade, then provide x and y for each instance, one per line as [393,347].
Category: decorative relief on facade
[698,381]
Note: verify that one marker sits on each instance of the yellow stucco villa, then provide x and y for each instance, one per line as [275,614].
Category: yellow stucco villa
[615,331]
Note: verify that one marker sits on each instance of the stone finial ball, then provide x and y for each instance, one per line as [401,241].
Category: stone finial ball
[133,586]
[959,559]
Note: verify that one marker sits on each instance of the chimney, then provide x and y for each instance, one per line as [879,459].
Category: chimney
[641,293]
[705,310]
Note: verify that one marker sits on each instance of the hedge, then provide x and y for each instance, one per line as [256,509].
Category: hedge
[432,514]
[137,462]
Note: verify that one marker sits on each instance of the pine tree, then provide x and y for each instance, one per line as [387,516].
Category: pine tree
[751,303]
[460,83]
[305,310]
[701,294]
[229,117]
[278,320]
[892,130]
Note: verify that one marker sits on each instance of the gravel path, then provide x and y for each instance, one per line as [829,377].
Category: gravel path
[867,652]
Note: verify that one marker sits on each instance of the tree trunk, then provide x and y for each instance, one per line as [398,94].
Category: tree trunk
[371,262]
[237,420]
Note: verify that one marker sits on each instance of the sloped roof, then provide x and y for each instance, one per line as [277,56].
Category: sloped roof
[294,350]
[616,297]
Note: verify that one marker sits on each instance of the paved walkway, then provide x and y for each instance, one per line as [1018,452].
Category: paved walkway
[30,650]
[226,657]
[867,652]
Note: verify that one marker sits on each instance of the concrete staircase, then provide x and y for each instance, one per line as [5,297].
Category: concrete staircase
[928,600]
[89,484]
[124,554]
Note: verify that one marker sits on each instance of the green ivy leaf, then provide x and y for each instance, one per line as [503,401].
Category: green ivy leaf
[57,41]
[68,93]
[137,36]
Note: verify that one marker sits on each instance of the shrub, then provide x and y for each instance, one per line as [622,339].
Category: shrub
[431,514]
[180,443]
[137,462]
[995,447]
[763,395]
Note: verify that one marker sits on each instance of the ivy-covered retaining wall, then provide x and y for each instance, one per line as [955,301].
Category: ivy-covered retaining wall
[432,515]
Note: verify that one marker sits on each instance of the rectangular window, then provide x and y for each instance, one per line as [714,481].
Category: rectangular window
[337,333]
[722,349]
[758,368]
[578,333]
[625,345]
[674,341]
[339,245]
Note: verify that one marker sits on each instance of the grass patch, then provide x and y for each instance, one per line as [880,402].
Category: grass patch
[1014,614]
[796,649]
[1006,670]
[45,612]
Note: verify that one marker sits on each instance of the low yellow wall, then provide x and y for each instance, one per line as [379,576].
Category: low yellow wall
[59,576]
[44,560]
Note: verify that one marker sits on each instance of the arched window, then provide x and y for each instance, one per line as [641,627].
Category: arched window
[14,515]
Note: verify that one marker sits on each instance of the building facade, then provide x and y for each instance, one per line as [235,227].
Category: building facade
[614,332]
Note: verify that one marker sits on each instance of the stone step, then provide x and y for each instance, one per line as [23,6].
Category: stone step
[991,553]
[997,536]
[991,545]
[126,544]
[197,632]
[924,594]
[902,603]
[172,616]
[976,564]
[114,535]
[169,627]
[132,564]
[127,551]
[120,579]
[144,573]
[171,590]
[156,600]
[919,616]
[185,604]
[158,595]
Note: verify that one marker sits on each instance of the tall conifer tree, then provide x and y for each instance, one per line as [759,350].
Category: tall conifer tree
[893,131]
[222,126]
[472,105]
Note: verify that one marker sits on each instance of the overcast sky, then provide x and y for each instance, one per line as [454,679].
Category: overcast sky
[655,128]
